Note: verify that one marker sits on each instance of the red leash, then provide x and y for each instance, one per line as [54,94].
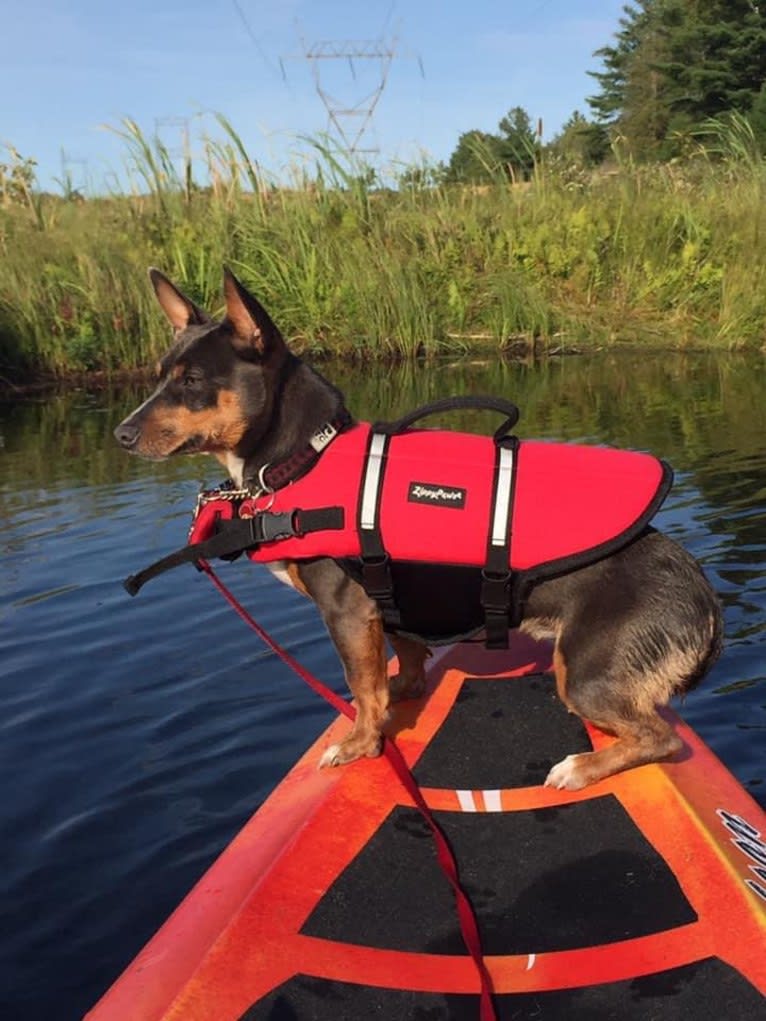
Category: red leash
[446,858]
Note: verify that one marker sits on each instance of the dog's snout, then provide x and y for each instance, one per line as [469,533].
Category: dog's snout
[127,434]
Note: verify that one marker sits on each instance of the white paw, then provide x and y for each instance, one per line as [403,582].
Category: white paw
[565,775]
[331,757]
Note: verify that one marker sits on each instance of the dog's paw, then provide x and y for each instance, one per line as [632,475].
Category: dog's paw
[349,751]
[331,757]
[401,688]
[567,775]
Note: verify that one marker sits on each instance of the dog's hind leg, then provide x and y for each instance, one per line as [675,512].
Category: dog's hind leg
[646,739]
[410,681]
[637,629]
[621,702]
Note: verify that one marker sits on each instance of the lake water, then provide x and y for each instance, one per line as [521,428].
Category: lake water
[138,735]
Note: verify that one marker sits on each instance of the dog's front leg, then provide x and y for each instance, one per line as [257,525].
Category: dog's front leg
[354,624]
[362,651]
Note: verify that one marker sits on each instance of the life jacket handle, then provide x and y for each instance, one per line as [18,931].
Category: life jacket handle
[468,402]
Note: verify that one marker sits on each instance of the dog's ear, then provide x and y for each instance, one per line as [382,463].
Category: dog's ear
[180,310]
[255,334]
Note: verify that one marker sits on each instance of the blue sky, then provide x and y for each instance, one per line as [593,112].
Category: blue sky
[70,67]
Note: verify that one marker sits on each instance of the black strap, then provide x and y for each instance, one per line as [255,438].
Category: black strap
[242,534]
[376,579]
[236,537]
[496,583]
[469,402]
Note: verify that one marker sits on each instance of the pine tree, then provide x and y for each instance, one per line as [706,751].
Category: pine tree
[757,118]
[676,63]
[518,143]
[647,113]
[715,55]
[610,103]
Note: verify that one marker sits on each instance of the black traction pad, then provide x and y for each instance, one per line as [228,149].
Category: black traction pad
[708,990]
[500,734]
[549,879]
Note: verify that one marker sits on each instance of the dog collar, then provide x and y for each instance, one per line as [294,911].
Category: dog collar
[275,476]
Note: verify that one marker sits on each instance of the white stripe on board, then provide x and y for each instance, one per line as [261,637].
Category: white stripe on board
[466,800]
[492,801]
[372,481]
[531,962]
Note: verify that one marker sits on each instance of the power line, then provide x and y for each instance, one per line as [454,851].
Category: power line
[253,37]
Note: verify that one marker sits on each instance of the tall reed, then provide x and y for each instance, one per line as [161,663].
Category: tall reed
[668,255]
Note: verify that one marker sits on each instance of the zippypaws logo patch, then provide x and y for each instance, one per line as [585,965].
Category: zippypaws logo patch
[436,495]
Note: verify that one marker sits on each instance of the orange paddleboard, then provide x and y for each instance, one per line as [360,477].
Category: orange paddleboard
[641,897]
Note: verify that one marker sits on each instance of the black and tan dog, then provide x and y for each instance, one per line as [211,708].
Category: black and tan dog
[630,631]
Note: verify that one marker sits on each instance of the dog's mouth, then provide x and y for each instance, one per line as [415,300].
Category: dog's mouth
[192,445]
[142,445]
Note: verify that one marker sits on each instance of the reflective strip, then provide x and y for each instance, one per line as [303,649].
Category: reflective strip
[492,801]
[466,800]
[531,962]
[502,497]
[372,481]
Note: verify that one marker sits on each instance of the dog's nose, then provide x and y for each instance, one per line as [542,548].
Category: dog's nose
[126,435]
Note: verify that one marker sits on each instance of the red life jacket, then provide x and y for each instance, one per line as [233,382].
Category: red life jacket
[436,499]
[432,503]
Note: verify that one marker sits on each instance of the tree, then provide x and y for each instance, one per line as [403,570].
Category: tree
[476,158]
[422,176]
[644,122]
[581,142]
[677,63]
[482,157]
[518,146]
[609,104]
[757,118]
[715,55]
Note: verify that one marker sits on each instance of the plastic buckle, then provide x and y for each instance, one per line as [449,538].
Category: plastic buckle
[376,575]
[495,601]
[268,526]
[495,594]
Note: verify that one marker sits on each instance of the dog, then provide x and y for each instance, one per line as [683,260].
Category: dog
[629,631]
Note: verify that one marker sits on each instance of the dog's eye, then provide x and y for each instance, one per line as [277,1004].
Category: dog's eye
[190,380]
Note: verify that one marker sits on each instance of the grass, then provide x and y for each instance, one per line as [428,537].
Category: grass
[667,255]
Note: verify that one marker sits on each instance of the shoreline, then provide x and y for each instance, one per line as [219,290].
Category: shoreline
[517,350]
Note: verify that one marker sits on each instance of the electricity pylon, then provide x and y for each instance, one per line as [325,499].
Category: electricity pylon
[350,121]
